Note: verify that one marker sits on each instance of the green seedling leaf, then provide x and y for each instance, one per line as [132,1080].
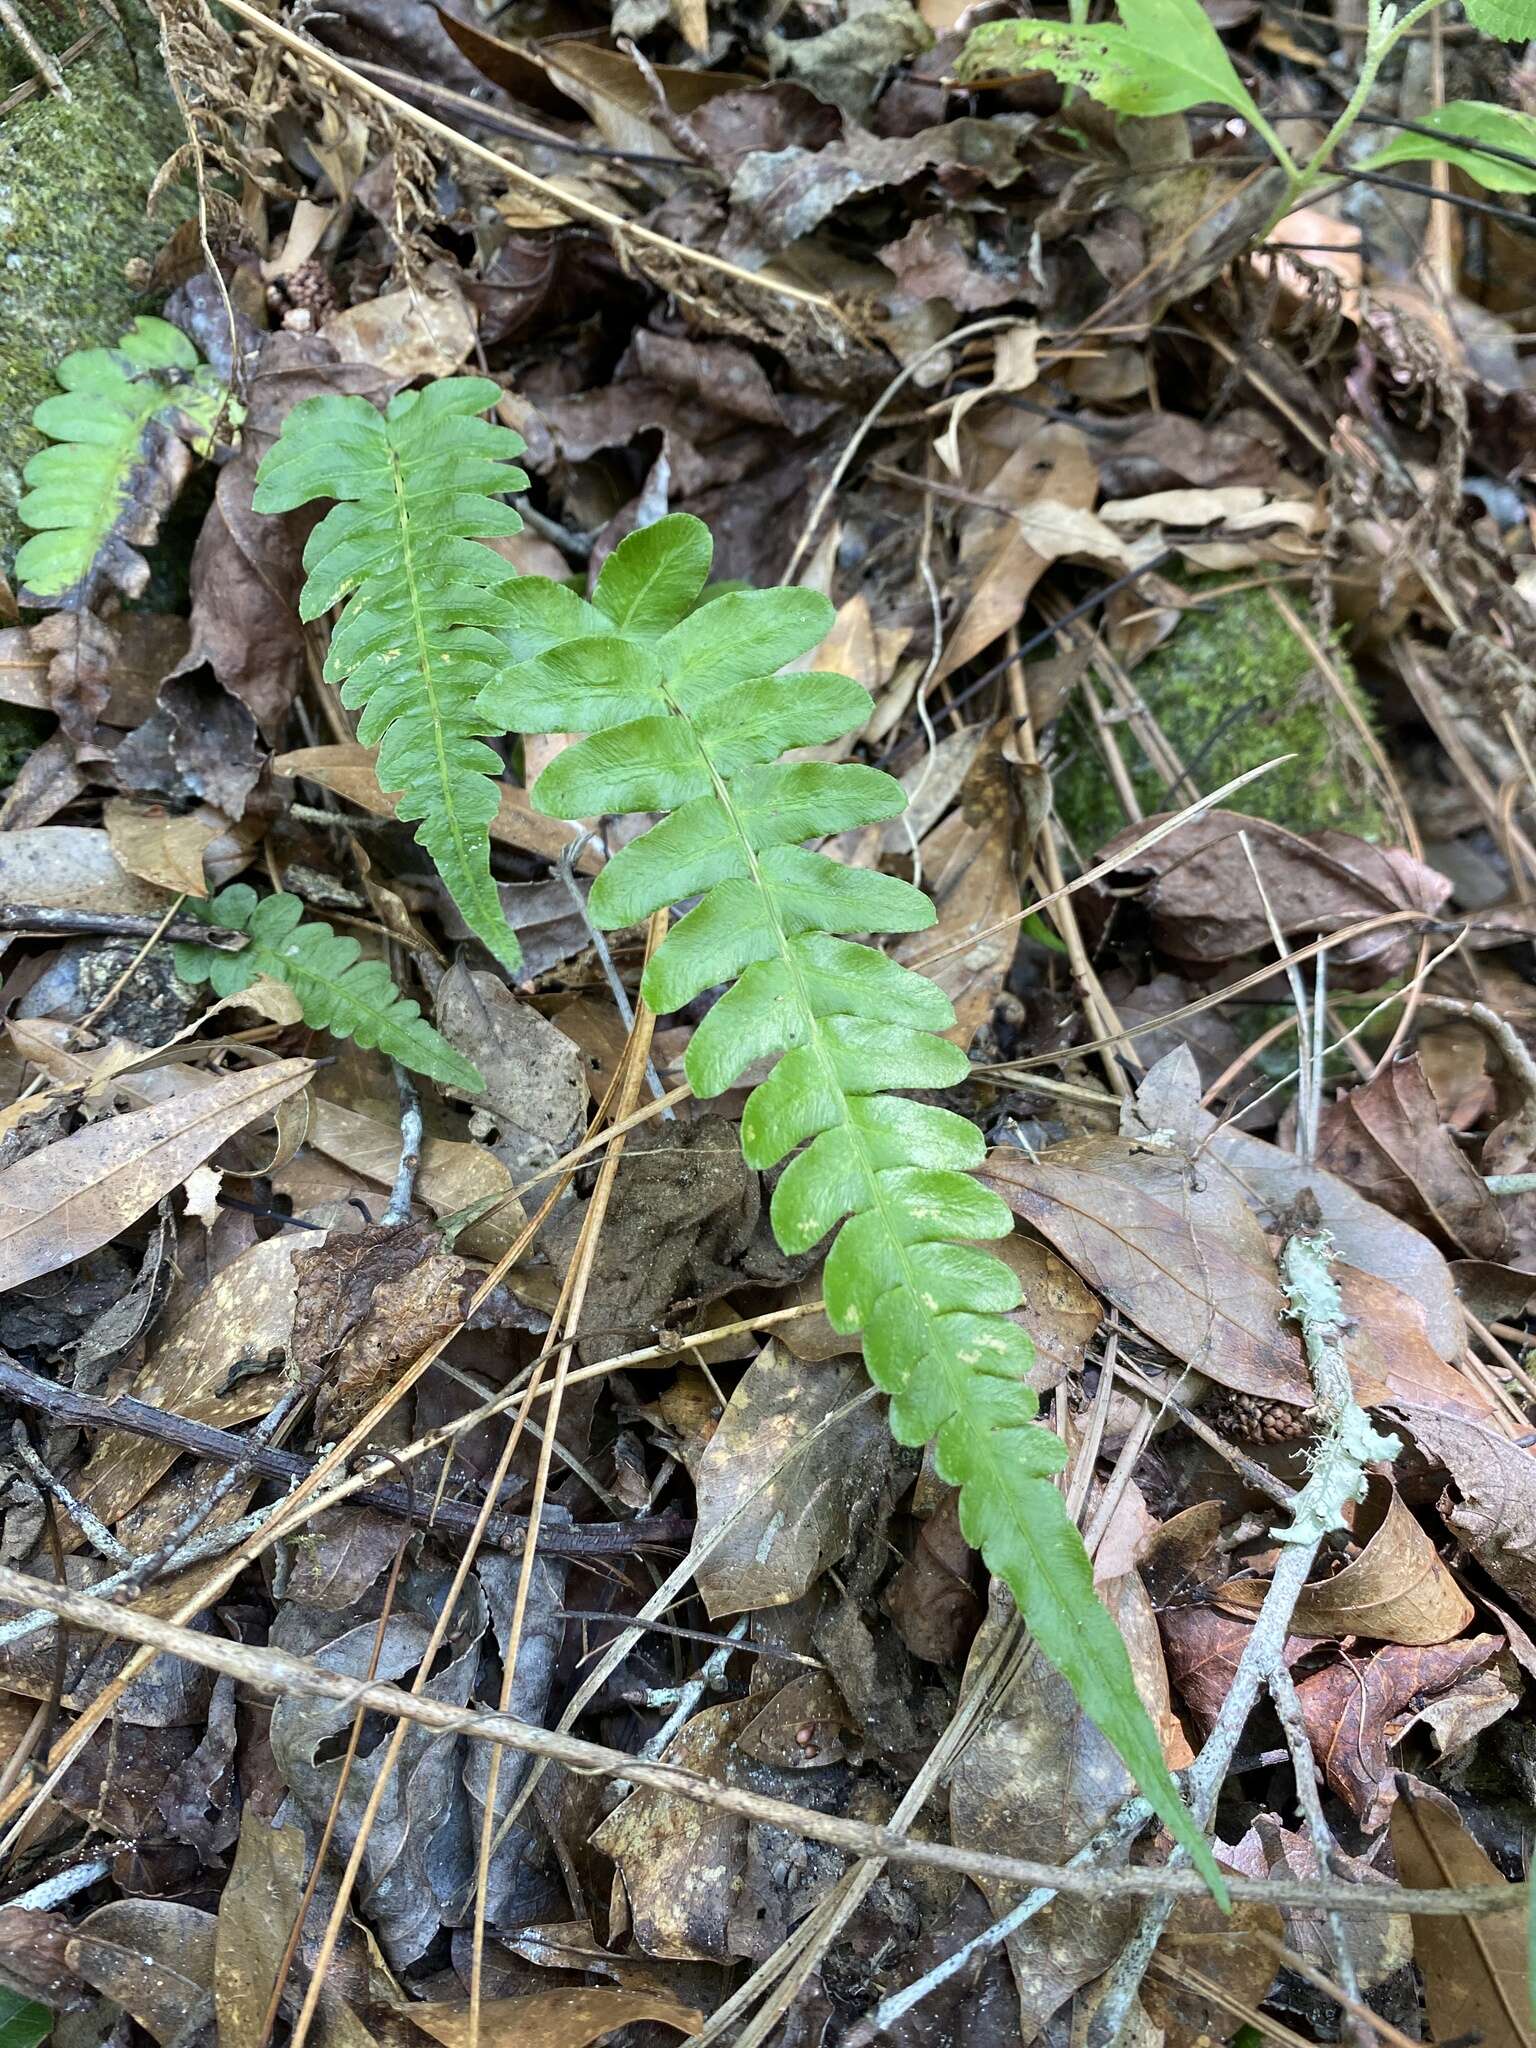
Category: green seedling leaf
[120,429]
[338,991]
[1161,57]
[1512,21]
[419,489]
[1470,121]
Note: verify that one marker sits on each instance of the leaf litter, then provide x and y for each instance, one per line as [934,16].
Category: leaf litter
[1021,391]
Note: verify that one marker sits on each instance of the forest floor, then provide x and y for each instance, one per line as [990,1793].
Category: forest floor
[1181,527]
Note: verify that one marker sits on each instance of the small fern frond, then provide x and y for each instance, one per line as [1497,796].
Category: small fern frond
[337,990]
[684,714]
[418,489]
[114,464]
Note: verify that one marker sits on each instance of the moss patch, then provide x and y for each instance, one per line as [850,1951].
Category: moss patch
[74,179]
[1233,687]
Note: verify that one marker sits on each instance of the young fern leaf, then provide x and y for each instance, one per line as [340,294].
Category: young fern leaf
[337,991]
[116,460]
[418,489]
[685,715]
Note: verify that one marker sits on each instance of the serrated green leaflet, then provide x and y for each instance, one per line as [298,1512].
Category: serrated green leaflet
[684,713]
[337,989]
[1161,57]
[418,489]
[1470,121]
[117,416]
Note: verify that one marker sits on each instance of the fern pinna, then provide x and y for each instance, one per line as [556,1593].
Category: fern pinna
[677,693]
[418,487]
[337,990]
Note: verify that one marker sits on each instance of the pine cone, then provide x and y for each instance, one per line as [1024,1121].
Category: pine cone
[1252,1419]
[307,290]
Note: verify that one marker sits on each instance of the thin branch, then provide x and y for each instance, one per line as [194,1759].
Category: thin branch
[276,1672]
[221,1446]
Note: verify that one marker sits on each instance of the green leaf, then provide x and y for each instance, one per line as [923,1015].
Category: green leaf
[23,2022]
[338,991]
[684,715]
[1161,57]
[111,471]
[418,492]
[1471,121]
[1512,21]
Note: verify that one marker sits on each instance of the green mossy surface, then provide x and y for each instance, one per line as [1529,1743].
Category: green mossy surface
[1231,688]
[74,179]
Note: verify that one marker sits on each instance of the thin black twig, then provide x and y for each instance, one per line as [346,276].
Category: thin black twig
[113,924]
[202,1440]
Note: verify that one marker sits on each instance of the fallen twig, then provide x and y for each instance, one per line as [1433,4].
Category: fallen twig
[116,924]
[202,1440]
[274,1671]
[1347,1443]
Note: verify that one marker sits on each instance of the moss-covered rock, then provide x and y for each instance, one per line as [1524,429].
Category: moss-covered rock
[74,179]
[1232,688]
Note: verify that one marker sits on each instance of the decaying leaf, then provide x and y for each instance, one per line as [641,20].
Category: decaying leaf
[553,2019]
[786,1531]
[1474,1970]
[1355,1711]
[64,1201]
[1396,1591]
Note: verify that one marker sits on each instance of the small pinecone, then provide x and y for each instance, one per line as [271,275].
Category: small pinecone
[305,291]
[1254,1420]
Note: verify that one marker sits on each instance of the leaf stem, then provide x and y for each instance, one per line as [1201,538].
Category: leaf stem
[1381,33]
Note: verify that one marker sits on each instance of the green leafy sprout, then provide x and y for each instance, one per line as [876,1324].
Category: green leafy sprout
[1164,56]
[97,492]
[677,690]
[337,990]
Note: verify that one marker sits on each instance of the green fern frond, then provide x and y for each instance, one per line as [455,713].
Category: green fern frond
[418,489]
[684,714]
[102,485]
[337,990]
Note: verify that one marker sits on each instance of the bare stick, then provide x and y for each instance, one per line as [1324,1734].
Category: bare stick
[1348,1443]
[274,1671]
[403,1193]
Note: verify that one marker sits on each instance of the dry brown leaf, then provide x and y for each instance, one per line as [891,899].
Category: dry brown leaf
[681,1862]
[154,1958]
[1396,1591]
[1038,1776]
[971,872]
[72,867]
[76,1195]
[424,331]
[256,1909]
[1175,1250]
[348,772]
[218,1363]
[158,847]
[453,1175]
[1059,1312]
[1474,1969]
[1355,1711]
[1386,1139]
[802,1519]
[1206,1951]
[1497,1483]
[553,2019]
[1199,889]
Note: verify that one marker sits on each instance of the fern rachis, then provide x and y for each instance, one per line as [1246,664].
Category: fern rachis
[417,493]
[683,715]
